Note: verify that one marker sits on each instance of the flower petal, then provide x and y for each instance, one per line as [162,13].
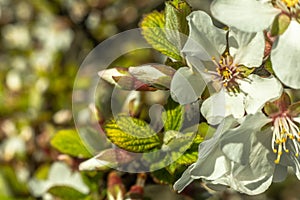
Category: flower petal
[221,104]
[246,15]
[259,91]
[247,48]
[280,173]
[206,150]
[186,85]
[285,56]
[240,138]
[212,168]
[205,40]
[254,177]
[296,119]
[184,180]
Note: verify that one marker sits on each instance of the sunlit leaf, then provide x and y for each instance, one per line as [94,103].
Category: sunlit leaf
[69,142]
[153,29]
[131,134]
[175,14]
[173,116]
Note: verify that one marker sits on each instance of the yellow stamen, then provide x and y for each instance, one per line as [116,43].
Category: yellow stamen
[285,129]
[278,157]
[290,3]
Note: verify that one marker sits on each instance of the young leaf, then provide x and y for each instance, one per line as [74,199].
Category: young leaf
[153,29]
[175,14]
[173,116]
[131,134]
[69,142]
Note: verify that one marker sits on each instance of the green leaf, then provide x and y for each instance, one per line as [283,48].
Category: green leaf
[131,134]
[280,24]
[175,14]
[13,184]
[174,64]
[66,192]
[204,130]
[174,140]
[153,30]
[93,140]
[162,176]
[188,158]
[42,172]
[173,116]
[69,142]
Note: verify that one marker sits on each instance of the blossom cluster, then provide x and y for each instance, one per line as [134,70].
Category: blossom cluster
[243,76]
[258,135]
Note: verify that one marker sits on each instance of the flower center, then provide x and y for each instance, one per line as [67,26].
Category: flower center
[284,130]
[290,7]
[228,73]
[290,3]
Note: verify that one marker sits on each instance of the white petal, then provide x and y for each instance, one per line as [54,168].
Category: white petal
[221,104]
[212,168]
[184,180]
[259,91]
[247,48]
[186,85]
[94,164]
[295,164]
[256,176]
[240,138]
[205,40]
[209,153]
[246,15]
[280,173]
[296,119]
[285,56]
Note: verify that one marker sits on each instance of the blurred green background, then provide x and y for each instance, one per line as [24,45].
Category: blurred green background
[43,43]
